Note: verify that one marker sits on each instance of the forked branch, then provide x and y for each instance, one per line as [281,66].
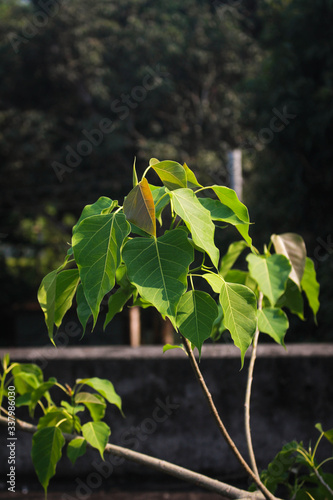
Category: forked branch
[247,403]
[267,494]
[161,466]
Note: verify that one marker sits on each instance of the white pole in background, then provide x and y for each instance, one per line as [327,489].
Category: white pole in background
[235,171]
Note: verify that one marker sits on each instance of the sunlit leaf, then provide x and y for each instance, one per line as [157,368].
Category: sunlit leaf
[97,435]
[54,416]
[191,180]
[274,322]
[198,221]
[220,212]
[229,198]
[311,286]
[139,207]
[103,203]
[241,277]
[196,314]
[97,243]
[239,306]
[270,273]
[158,268]
[95,403]
[169,347]
[161,200]
[47,444]
[104,387]
[293,247]
[171,173]
[76,448]
[66,285]
[55,296]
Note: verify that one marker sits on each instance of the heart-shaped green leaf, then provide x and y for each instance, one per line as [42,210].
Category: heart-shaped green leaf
[102,205]
[196,314]
[274,322]
[239,306]
[76,448]
[47,444]
[158,268]
[229,198]
[97,243]
[198,221]
[311,286]
[171,173]
[191,179]
[97,435]
[270,273]
[105,389]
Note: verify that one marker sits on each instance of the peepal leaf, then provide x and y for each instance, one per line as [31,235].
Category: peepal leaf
[104,387]
[274,322]
[220,212]
[46,298]
[171,173]
[293,247]
[47,444]
[270,273]
[158,268]
[96,244]
[229,198]
[55,296]
[66,285]
[97,435]
[198,221]
[76,448]
[102,204]
[139,207]
[161,200]
[196,314]
[311,286]
[239,306]
[191,179]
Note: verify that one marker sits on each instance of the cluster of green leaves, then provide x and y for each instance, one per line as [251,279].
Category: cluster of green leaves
[122,249]
[47,443]
[296,471]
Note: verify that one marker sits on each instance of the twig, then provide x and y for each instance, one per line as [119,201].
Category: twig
[267,494]
[248,396]
[160,465]
[323,482]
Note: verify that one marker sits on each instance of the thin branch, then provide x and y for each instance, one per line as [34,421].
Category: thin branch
[267,494]
[248,396]
[323,482]
[160,465]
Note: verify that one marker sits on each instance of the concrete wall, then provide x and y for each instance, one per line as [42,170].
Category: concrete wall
[166,413]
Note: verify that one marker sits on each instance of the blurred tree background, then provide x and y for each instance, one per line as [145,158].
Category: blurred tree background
[87,86]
